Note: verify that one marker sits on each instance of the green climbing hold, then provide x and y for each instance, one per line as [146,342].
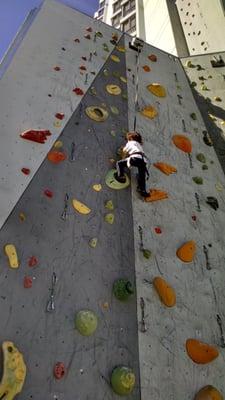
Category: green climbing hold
[193,116]
[199,67]
[204,167]
[109,205]
[109,218]
[204,87]
[114,110]
[200,157]
[122,380]
[146,253]
[124,96]
[116,74]
[193,84]
[189,64]
[93,91]
[111,181]
[99,34]
[106,72]
[86,322]
[105,47]
[198,180]
[93,242]
[122,289]
[201,78]
[113,133]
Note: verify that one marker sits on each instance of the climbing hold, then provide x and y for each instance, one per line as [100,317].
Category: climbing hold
[48,193]
[116,74]
[146,253]
[83,68]
[78,91]
[165,291]
[157,89]
[205,167]
[208,392]
[122,289]
[58,144]
[93,91]
[105,47]
[113,133]
[25,171]
[87,36]
[113,89]
[121,49]
[98,34]
[200,352]
[109,205]
[57,68]
[182,143]
[146,68]
[217,98]
[199,68]
[201,78]
[155,195]
[60,116]
[109,218]
[158,230]
[198,180]
[32,261]
[222,122]
[11,253]
[123,79]
[86,322]
[206,139]
[59,370]
[113,183]
[201,157]
[114,110]
[194,218]
[57,124]
[14,372]
[97,187]
[165,168]
[218,187]
[149,112]
[89,29]
[212,202]
[193,116]
[106,72]
[84,58]
[27,282]
[189,64]
[187,251]
[77,40]
[212,117]
[38,136]
[22,217]
[93,242]
[56,156]
[98,114]
[124,96]
[204,87]
[122,380]
[152,57]
[80,207]
[193,84]
[115,58]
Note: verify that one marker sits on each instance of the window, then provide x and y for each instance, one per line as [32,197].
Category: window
[129,25]
[116,6]
[100,12]
[128,7]
[116,19]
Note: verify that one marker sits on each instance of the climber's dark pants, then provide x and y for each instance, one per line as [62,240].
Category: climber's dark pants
[134,162]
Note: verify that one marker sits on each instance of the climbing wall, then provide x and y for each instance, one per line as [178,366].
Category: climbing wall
[207,79]
[166,370]
[83,248]
[40,83]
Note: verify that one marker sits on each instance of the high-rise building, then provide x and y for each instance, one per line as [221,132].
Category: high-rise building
[179,27]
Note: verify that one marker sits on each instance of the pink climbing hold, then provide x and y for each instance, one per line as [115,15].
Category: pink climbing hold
[78,91]
[25,171]
[27,282]
[32,261]
[59,370]
[59,116]
[38,136]
[48,193]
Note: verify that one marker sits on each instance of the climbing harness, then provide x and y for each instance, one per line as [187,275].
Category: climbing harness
[51,303]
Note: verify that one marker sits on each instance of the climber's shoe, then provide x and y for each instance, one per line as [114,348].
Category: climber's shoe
[143,193]
[121,179]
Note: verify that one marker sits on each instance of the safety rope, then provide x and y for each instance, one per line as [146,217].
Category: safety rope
[136,106]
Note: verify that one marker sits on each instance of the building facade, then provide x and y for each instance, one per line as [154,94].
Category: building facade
[177,26]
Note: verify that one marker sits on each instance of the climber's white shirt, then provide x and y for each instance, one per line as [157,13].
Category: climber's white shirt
[133,147]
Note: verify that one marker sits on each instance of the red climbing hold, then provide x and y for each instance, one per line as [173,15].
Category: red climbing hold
[158,230]
[83,68]
[59,116]
[152,57]
[59,370]
[38,136]
[57,68]
[77,40]
[194,218]
[27,282]
[25,171]
[89,29]
[84,58]
[87,36]
[78,91]
[56,156]
[32,261]
[48,193]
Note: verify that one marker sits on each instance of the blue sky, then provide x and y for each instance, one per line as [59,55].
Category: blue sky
[13,13]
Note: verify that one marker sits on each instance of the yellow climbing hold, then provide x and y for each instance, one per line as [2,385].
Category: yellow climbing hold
[222,122]
[22,217]
[121,49]
[113,89]
[58,124]
[149,112]
[109,205]
[157,89]
[212,117]
[218,187]
[80,207]
[115,58]
[93,242]
[97,187]
[14,372]
[187,251]
[98,114]
[58,144]
[109,218]
[123,79]
[11,253]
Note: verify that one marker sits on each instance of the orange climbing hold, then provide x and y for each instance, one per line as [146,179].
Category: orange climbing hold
[165,168]
[165,291]
[208,392]
[187,252]
[146,68]
[201,353]
[149,112]
[156,194]
[182,143]
[152,57]
[56,156]
[157,89]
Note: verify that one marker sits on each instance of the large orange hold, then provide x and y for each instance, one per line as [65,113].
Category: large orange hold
[182,143]
[165,291]
[208,392]
[156,194]
[187,252]
[201,353]
[165,168]
[56,156]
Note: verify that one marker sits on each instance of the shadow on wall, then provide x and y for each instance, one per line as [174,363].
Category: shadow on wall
[216,134]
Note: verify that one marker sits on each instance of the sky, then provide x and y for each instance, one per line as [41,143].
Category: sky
[13,13]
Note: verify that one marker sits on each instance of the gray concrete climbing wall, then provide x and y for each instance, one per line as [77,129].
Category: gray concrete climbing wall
[208,86]
[165,368]
[85,274]
[30,80]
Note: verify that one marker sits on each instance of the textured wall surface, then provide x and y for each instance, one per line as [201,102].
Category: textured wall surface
[24,101]
[166,370]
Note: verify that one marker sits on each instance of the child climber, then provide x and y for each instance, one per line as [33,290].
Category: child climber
[134,157]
